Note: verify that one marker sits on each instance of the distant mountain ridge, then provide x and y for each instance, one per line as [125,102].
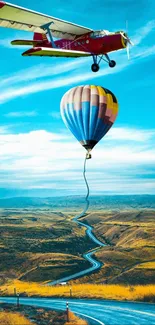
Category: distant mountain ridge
[77,202]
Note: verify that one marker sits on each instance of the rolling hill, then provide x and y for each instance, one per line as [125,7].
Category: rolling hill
[39,242]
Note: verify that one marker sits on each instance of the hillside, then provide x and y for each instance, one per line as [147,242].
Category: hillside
[65,203]
[129,256]
[40,246]
[43,244]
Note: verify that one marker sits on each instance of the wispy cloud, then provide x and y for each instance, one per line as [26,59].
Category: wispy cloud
[40,71]
[14,92]
[144,32]
[55,115]
[5,43]
[11,93]
[15,86]
[144,53]
[4,129]
[21,114]
[74,78]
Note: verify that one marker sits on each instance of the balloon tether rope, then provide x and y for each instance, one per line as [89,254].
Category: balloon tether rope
[82,214]
[86,182]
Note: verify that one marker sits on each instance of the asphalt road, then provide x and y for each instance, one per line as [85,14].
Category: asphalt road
[98,312]
[88,256]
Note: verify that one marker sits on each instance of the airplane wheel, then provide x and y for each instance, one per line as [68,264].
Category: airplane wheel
[112,64]
[95,67]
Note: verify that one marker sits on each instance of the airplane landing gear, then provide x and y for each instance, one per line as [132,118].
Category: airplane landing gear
[112,64]
[95,67]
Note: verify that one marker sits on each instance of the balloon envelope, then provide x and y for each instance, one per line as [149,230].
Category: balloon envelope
[89,112]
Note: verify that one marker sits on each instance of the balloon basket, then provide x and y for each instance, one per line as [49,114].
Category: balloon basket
[88,155]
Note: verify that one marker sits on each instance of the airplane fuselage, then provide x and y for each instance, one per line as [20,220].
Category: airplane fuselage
[99,45]
[74,40]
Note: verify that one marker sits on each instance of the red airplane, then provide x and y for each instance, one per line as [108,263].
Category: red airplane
[76,41]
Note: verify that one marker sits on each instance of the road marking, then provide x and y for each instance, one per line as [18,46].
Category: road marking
[134,311]
[47,301]
[114,308]
[96,320]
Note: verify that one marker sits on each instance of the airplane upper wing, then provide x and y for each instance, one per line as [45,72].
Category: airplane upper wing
[47,51]
[20,18]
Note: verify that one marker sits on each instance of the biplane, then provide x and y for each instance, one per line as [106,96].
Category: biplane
[54,37]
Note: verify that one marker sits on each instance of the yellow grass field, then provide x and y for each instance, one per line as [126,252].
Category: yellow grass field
[7,318]
[98,291]
[148,265]
[74,320]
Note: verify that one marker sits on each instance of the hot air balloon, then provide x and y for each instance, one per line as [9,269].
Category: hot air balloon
[89,112]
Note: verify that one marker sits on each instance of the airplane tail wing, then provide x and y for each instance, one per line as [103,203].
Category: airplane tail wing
[38,40]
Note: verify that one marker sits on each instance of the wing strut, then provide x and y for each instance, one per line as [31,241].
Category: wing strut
[47,28]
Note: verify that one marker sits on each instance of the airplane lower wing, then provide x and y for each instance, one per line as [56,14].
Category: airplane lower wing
[46,51]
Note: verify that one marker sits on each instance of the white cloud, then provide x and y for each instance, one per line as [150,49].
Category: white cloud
[21,114]
[40,159]
[122,133]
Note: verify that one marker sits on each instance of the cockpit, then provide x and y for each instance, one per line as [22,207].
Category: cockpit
[102,33]
[99,33]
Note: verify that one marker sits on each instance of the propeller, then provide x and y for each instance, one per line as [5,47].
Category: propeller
[125,36]
[128,40]
[128,51]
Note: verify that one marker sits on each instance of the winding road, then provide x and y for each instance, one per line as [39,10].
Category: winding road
[88,256]
[98,312]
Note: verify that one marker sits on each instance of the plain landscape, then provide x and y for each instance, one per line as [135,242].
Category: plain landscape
[39,242]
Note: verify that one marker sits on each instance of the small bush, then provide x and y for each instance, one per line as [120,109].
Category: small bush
[74,320]
[7,318]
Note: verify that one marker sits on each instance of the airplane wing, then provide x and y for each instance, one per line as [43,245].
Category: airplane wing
[46,51]
[26,42]
[12,16]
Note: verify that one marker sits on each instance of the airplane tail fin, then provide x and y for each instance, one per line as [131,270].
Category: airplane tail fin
[41,38]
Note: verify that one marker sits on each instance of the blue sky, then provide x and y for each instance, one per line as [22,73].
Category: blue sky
[38,155]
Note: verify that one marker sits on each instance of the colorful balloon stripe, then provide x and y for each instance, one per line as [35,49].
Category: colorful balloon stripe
[89,112]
